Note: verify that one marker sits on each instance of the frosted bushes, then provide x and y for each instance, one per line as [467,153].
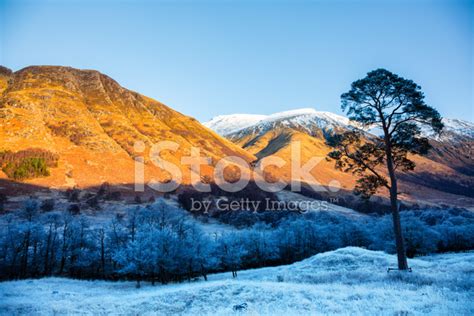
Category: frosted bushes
[163,243]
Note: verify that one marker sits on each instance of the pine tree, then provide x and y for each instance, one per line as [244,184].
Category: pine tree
[396,106]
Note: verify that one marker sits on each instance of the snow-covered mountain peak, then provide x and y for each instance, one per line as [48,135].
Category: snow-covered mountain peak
[307,114]
[304,118]
[309,118]
[459,127]
[453,128]
[228,124]
[291,114]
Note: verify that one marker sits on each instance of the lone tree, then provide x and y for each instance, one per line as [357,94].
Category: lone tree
[395,105]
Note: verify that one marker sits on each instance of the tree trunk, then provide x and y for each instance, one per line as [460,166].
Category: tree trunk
[397,227]
[203,272]
[46,255]
[102,251]
[35,259]
[24,262]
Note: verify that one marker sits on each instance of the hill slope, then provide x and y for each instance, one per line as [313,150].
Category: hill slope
[91,123]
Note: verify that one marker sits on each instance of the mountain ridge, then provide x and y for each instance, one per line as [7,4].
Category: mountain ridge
[448,168]
[220,123]
[92,123]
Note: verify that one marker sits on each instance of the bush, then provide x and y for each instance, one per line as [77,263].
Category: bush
[30,209]
[29,163]
[137,199]
[47,205]
[76,135]
[3,200]
[420,239]
[93,201]
[27,168]
[74,209]
[113,196]
[162,242]
[73,194]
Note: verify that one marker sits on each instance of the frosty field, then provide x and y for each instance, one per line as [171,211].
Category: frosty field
[345,281]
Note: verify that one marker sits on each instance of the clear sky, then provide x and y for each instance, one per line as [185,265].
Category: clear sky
[205,58]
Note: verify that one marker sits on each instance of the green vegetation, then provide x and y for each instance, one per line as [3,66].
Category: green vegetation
[27,168]
[27,164]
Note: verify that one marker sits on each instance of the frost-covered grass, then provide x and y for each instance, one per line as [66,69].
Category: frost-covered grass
[346,281]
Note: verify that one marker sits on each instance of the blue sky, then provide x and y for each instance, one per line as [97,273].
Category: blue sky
[205,58]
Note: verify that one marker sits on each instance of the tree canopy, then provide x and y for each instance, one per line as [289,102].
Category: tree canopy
[395,105]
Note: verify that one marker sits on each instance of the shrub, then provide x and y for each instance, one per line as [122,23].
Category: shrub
[113,196]
[3,199]
[93,201]
[73,194]
[29,163]
[47,205]
[137,199]
[160,243]
[7,156]
[74,209]
[27,168]
[76,135]
[420,239]
[30,209]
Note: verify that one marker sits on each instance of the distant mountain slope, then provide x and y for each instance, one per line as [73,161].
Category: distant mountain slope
[92,122]
[447,170]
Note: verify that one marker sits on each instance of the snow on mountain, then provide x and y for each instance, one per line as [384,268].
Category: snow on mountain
[348,281]
[304,116]
[453,128]
[459,127]
[228,124]
[308,118]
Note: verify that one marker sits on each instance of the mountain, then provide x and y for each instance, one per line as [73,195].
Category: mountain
[228,124]
[89,124]
[62,127]
[445,175]
[454,129]
[305,119]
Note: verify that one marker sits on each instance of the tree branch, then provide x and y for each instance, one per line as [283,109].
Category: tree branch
[361,162]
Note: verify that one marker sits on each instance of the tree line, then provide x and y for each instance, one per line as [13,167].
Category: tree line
[163,243]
